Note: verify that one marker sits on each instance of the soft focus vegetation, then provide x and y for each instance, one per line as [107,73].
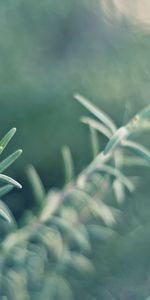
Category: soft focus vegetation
[79,228]
[87,241]
[52,49]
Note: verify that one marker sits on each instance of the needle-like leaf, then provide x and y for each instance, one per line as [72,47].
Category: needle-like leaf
[36,184]
[120,134]
[10,180]
[6,139]
[68,164]
[5,213]
[104,118]
[9,160]
[94,142]
[139,149]
[97,125]
[5,189]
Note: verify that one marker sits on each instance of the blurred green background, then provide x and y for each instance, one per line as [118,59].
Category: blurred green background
[50,50]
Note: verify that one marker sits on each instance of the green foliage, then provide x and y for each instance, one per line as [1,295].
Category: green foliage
[53,48]
[97,113]
[37,186]
[9,182]
[77,244]
[68,164]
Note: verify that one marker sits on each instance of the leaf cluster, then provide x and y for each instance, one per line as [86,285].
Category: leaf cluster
[71,245]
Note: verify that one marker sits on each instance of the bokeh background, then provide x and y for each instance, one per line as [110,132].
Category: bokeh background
[50,50]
